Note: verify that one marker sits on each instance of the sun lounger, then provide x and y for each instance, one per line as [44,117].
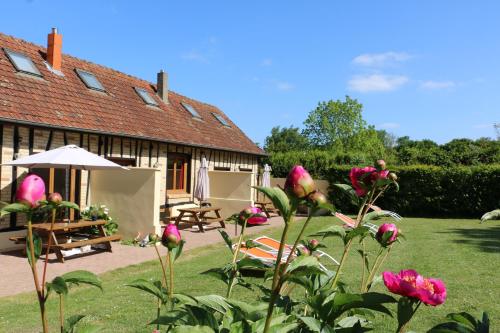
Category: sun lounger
[350,223]
[274,245]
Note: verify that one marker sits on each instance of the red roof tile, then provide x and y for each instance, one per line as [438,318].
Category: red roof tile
[65,102]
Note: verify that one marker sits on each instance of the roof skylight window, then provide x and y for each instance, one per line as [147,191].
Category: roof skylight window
[221,119]
[191,110]
[90,80]
[22,63]
[146,97]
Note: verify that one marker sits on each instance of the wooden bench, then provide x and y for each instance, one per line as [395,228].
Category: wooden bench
[92,241]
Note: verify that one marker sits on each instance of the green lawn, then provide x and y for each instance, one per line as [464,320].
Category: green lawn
[463,253]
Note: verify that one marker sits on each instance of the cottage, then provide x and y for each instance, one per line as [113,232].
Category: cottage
[49,99]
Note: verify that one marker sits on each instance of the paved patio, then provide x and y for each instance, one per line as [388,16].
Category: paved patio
[15,274]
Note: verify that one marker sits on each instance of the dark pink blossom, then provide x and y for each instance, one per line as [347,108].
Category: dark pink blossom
[31,191]
[299,182]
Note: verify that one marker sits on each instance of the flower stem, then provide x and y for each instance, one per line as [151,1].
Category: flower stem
[299,237]
[233,262]
[61,312]
[171,267]
[163,283]
[39,292]
[363,268]
[402,328]
[347,248]
[371,273]
[276,286]
[49,244]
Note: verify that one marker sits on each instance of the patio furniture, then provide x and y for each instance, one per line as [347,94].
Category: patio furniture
[63,228]
[199,216]
[267,208]
[274,245]
[350,223]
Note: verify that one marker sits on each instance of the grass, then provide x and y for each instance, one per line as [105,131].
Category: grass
[463,253]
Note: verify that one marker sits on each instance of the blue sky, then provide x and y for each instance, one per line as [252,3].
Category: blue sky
[427,69]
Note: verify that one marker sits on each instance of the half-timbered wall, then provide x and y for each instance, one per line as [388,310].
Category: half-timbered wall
[18,141]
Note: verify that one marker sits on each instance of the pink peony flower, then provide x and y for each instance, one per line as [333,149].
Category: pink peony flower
[31,190]
[360,177]
[387,228]
[411,284]
[253,215]
[171,237]
[299,182]
[432,292]
[404,283]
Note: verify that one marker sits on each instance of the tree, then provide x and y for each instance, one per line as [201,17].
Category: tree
[388,139]
[335,123]
[285,139]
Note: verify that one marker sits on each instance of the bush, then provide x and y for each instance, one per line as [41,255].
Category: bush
[432,191]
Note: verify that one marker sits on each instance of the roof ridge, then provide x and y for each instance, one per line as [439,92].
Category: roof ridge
[105,67]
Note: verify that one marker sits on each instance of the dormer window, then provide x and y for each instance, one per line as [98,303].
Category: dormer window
[146,97]
[191,110]
[90,80]
[22,63]
[221,119]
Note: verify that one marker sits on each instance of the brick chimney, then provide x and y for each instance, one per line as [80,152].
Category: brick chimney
[162,86]
[54,50]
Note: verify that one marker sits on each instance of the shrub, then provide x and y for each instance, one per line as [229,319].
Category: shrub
[433,191]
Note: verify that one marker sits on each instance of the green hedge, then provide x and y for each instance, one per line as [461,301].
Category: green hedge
[432,191]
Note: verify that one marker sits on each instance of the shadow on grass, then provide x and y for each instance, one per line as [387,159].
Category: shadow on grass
[485,239]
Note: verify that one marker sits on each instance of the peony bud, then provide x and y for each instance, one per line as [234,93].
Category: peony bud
[392,176]
[171,237]
[31,190]
[55,198]
[313,244]
[317,198]
[303,251]
[385,229]
[253,215]
[360,180]
[380,165]
[299,182]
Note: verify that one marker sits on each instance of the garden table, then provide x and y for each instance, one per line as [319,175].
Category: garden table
[199,216]
[267,208]
[65,228]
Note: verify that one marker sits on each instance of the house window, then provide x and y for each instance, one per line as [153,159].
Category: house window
[90,80]
[146,97]
[178,173]
[22,63]
[126,162]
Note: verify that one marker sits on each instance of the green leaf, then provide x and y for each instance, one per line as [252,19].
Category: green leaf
[334,230]
[361,231]
[89,329]
[15,207]
[304,265]
[405,310]
[226,238]
[82,277]
[192,329]
[176,251]
[349,192]
[37,245]
[312,324]
[375,215]
[150,288]
[214,302]
[58,285]
[278,198]
[70,323]
[174,317]
[248,262]
[68,204]
[451,327]
[374,301]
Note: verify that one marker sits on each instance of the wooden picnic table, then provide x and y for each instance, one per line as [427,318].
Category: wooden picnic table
[43,229]
[267,208]
[199,216]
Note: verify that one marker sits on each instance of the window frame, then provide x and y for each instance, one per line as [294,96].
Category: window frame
[79,73]
[138,92]
[9,53]
[187,107]
[221,120]
[185,168]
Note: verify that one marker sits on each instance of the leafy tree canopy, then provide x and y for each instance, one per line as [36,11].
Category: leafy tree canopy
[285,139]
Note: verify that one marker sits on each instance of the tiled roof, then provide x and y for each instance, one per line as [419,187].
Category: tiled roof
[65,102]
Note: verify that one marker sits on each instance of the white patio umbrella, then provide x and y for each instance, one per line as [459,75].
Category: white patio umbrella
[70,156]
[66,157]
[202,188]
[266,176]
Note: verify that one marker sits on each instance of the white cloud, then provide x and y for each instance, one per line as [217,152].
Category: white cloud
[284,86]
[436,85]
[380,59]
[389,125]
[266,62]
[376,82]
[194,56]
